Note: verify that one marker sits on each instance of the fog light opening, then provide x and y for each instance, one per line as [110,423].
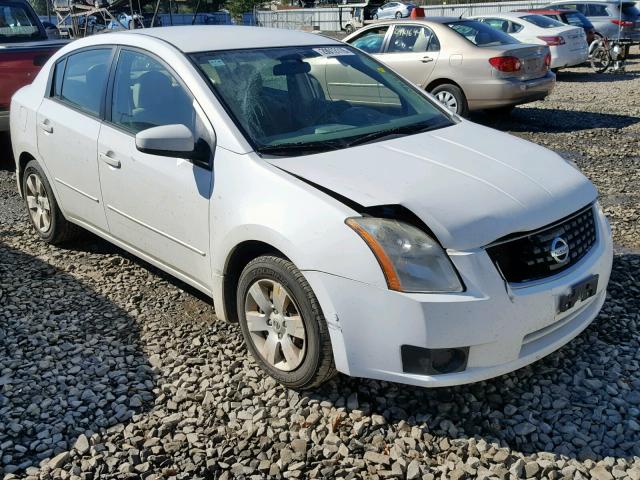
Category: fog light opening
[433,361]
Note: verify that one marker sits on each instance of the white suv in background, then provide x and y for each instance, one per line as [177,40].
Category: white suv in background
[381,236]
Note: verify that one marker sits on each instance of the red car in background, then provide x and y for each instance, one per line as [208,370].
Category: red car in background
[24,49]
[568,16]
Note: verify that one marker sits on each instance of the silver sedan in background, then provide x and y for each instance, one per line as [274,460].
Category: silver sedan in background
[394,10]
[464,63]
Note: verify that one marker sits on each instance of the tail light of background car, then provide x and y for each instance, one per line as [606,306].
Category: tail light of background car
[622,23]
[547,60]
[506,64]
[553,41]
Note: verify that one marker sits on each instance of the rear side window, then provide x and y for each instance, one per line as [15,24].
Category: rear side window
[85,79]
[542,21]
[596,10]
[480,34]
[371,41]
[578,20]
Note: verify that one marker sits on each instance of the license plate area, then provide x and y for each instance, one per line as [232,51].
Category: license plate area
[579,293]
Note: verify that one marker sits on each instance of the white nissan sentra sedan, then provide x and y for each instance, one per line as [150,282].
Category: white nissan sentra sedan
[355,226]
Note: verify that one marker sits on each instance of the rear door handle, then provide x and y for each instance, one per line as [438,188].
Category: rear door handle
[46,127]
[109,160]
[426,59]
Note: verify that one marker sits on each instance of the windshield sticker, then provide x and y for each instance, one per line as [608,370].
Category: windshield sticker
[381,69]
[216,62]
[333,51]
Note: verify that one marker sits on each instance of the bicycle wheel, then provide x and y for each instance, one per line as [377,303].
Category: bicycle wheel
[600,59]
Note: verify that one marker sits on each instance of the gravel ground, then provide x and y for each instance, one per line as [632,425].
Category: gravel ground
[111,369]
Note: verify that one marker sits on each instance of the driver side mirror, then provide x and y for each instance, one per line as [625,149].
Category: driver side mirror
[173,141]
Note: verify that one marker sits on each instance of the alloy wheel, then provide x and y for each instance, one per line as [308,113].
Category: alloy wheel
[448,100]
[38,203]
[275,325]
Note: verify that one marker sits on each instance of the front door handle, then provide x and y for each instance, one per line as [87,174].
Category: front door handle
[46,127]
[109,160]
[426,59]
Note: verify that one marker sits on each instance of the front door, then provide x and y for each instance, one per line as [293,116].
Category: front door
[412,51]
[68,127]
[158,205]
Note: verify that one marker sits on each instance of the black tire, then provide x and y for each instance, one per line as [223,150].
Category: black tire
[462,108]
[349,29]
[398,15]
[375,16]
[317,365]
[60,229]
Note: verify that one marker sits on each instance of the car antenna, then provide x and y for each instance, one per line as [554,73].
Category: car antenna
[462,14]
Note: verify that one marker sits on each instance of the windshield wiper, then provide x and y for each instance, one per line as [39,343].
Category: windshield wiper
[393,132]
[300,148]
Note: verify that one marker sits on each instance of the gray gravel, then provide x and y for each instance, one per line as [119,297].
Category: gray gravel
[111,369]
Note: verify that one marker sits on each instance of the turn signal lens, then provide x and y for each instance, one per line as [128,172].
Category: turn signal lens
[506,64]
[553,41]
[410,259]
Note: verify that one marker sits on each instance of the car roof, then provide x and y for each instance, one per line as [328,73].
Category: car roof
[202,38]
[419,19]
[548,11]
[609,2]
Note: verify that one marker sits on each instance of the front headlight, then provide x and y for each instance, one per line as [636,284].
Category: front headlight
[411,260]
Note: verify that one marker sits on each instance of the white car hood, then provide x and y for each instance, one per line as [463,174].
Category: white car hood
[470,184]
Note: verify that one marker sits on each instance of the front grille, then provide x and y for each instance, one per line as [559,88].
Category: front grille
[528,256]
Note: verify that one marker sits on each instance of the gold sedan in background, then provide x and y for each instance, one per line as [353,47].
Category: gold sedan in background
[465,64]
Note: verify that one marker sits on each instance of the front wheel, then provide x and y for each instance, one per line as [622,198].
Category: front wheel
[451,97]
[600,59]
[282,323]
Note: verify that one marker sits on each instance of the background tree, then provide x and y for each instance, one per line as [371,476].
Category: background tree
[238,7]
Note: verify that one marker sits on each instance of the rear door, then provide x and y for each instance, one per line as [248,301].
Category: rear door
[412,51]
[68,125]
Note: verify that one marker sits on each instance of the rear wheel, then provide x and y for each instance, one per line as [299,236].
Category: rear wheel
[44,213]
[451,97]
[375,16]
[398,15]
[282,323]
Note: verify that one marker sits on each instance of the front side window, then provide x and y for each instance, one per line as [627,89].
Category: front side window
[480,34]
[412,38]
[370,41]
[146,95]
[85,79]
[542,21]
[335,97]
[18,24]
